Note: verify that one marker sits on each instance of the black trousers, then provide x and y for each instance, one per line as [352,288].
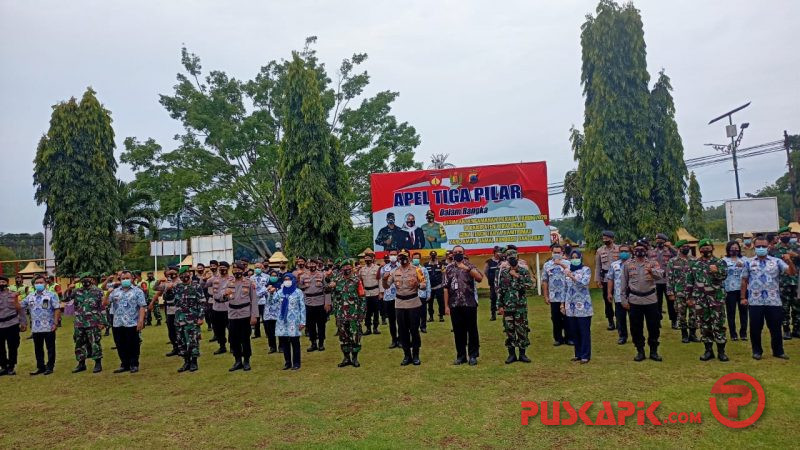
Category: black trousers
[651,314]
[465,330]
[172,332]
[661,294]
[128,346]
[371,320]
[291,349]
[39,341]
[269,328]
[382,308]
[492,296]
[239,338]
[209,311]
[316,319]
[622,320]
[773,315]
[609,307]
[391,317]
[408,327]
[220,319]
[732,303]
[560,330]
[257,327]
[438,296]
[423,316]
[9,346]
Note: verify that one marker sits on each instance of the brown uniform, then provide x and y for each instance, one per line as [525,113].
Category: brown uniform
[370,279]
[313,286]
[220,307]
[12,315]
[406,281]
[242,303]
[638,289]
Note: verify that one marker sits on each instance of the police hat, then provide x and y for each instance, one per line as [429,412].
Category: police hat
[640,243]
[4,278]
[662,236]
[608,233]
[225,264]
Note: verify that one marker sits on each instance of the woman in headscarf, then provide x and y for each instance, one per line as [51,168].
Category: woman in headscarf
[578,307]
[272,309]
[291,319]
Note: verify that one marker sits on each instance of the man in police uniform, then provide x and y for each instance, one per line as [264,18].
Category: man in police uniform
[220,307]
[391,237]
[491,269]
[407,280]
[638,284]
[436,275]
[606,254]
[369,274]
[662,253]
[318,304]
[240,295]
[12,321]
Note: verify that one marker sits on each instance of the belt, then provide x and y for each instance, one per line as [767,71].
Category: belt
[239,306]
[315,295]
[371,287]
[220,301]
[407,297]
[438,286]
[642,294]
[6,319]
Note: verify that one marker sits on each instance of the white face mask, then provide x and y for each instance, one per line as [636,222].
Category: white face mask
[287,284]
[393,258]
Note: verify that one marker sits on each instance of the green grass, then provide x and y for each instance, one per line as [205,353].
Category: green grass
[384,405]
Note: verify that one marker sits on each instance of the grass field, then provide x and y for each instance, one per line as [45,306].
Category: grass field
[387,406]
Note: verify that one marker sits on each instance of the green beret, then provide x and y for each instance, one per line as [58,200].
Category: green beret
[84,275]
[183,269]
[511,253]
[344,262]
[704,242]
[681,243]
[785,229]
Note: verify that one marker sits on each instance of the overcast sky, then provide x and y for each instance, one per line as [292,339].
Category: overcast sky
[486,82]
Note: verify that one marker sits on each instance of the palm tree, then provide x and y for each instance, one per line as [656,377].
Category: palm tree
[135,210]
[439,161]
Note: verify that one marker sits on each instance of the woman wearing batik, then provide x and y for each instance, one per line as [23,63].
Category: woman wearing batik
[291,319]
[578,307]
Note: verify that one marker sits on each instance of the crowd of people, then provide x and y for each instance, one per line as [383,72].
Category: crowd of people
[757,278]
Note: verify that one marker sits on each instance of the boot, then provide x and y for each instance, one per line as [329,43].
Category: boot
[236,366]
[174,352]
[185,365]
[221,350]
[415,357]
[684,336]
[246,365]
[10,371]
[193,365]
[709,354]
[213,339]
[98,366]
[786,335]
[512,355]
[430,318]
[674,324]
[441,318]
[4,371]
[81,367]
[313,347]
[494,315]
[721,353]
[346,360]
[654,353]
[272,350]
[522,357]
[355,360]
[158,322]
[375,330]
[693,335]
[611,325]
[367,332]
[796,333]
[321,346]
[406,357]
[639,354]
[394,344]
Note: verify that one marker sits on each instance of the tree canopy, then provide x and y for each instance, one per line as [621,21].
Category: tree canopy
[695,221]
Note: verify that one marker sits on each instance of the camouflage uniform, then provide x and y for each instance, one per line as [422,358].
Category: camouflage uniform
[705,288]
[349,309]
[511,297]
[89,317]
[189,308]
[788,286]
[677,268]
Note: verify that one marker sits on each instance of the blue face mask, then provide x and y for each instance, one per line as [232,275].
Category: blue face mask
[624,255]
[747,242]
[39,287]
[273,279]
[761,251]
[258,271]
[415,261]
[576,262]
[793,241]
[126,283]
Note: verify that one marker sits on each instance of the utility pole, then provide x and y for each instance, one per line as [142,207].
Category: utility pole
[730,130]
[792,176]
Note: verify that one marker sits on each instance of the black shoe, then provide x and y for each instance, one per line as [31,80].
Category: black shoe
[295,367]
[98,366]
[246,365]
[185,365]
[37,372]
[473,361]
[134,369]
[441,318]
[10,371]
[743,336]
[174,352]
[512,355]
[158,322]
[721,353]
[394,345]
[571,343]
[783,356]
[376,330]
[4,371]
[423,330]
[796,333]
[757,356]
[639,355]
[674,324]
[287,366]
[430,318]
[122,369]
[692,335]
[523,357]
[734,338]
[321,347]
[383,321]
[193,365]
[655,356]
[355,360]
[345,361]
[213,339]
[49,371]
[557,343]
[416,361]
[406,359]
[684,336]
[272,350]
[709,354]
[106,332]
[313,347]
[494,316]
[460,360]
[367,332]
[221,350]
[236,366]
[611,326]
[81,367]
[621,341]
[786,335]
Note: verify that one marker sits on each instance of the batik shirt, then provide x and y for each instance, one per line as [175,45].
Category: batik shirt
[733,282]
[390,293]
[42,307]
[615,274]
[578,302]
[553,274]
[762,277]
[261,281]
[425,293]
[125,304]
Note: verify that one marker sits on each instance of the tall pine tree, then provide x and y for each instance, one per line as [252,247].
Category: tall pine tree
[74,175]
[614,161]
[669,168]
[695,223]
[314,188]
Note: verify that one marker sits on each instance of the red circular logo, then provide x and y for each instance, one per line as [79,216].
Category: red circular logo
[731,419]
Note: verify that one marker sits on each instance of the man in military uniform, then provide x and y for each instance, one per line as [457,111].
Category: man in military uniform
[318,304]
[369,274]
[151,293]
[169,304]
[12,320]
[90,318]
[349,309]
[491,268]
[513,306]
[677,268]
[639,297]
[606,254]
[436,275]
[187,295]
[407,281]
[788,284]
[391,237]
[240,296]
[206,281]
[662,253]
[434,232]
[707,296]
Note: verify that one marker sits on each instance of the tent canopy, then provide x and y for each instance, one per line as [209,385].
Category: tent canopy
[31,269]
[187,261]
[795,227]
[278,257]
[366,250]
[684,235]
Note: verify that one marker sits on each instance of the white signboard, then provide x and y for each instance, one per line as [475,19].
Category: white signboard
[751,214]
[206,248]
[168,248]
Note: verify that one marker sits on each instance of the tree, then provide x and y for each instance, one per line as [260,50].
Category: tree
[223,176]
[314,189]
[135,211]
[669,168]
[74,175]
[695,222]
[614,159]
[439,161]
[6,254]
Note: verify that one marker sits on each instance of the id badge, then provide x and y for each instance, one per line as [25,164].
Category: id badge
[45,303]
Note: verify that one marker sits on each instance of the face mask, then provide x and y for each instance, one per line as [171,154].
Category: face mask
[761,251]
[3,287]
[415,261]
[624,255]
[734,252]
[126,283]
[273,279]
[393,258]
[430,219]
[686,250]
[213,270]
[258,271]
[513,261]
[386,260]
[747,242]
[793,241]
[185,279]
[368,262]
[390,221]
[39,287]
[403,260]
[150,278]
[576,261]
[347,271]
[223,272]
[238,274]
[639,253]
[706,253]
[557,256]
[410,223]
[287,283]
[312,268]
[785,239]
[659,244]
[606,241]
[458,257]
[110,285]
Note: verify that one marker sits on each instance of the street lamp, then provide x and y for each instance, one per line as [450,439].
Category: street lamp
[730,131]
